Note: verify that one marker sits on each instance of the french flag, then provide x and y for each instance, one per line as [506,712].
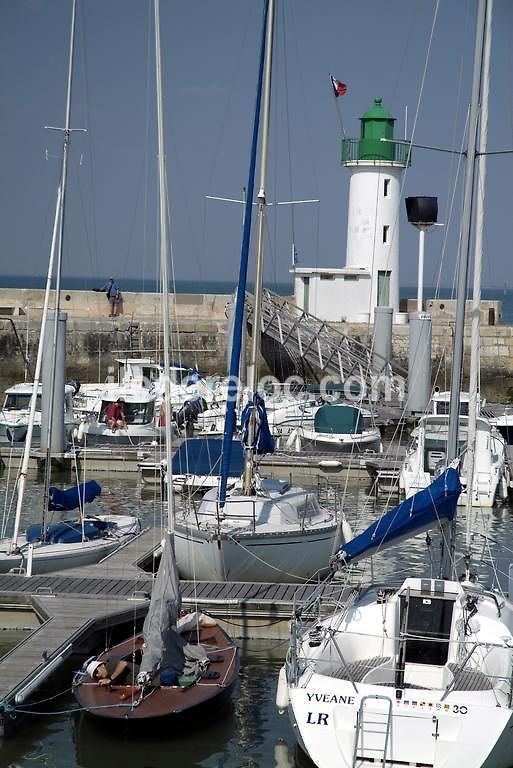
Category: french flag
[339,89]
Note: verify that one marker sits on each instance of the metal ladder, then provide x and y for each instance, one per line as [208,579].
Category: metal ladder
[379,725]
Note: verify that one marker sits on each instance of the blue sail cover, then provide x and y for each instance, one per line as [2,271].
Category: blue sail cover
[264,441]
[202,456]
[72,498]
[418,513]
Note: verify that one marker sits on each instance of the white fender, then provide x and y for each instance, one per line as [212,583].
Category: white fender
[291,439]
[282,692]
[347,533]
[81,431]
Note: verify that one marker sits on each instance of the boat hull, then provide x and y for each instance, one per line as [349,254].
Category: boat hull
[273,557]
[120,702]
[424,729]
[48,558]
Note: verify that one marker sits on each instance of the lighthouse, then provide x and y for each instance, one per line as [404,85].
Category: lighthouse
[370,277]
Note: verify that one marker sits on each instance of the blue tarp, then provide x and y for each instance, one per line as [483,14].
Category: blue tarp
[264,441]
[72,498]
[202,456]
[418,513]
[69,531]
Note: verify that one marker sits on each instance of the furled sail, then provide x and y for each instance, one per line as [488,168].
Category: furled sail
[418,513]
[163,645]
[263,440]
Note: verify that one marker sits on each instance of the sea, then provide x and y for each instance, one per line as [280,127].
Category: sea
[247,731]
[504,294]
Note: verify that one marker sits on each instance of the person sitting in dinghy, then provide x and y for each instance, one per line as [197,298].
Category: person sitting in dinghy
[113,672]
[115,415]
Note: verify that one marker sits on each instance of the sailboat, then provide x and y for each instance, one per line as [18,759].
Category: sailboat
[255,529]
[175,665]
[420,673]
[84,541]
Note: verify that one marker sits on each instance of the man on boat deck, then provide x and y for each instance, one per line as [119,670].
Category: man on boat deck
[112,672]
[115,414]
[113,296]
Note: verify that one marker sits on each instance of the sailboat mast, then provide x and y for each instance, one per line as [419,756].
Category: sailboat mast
[257,313]
[55,246]
[63,182]
[448,529]
[164,268]
[478,260]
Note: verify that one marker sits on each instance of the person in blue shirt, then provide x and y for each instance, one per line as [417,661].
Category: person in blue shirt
[113,296]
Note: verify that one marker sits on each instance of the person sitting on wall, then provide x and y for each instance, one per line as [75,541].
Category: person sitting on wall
[115,415]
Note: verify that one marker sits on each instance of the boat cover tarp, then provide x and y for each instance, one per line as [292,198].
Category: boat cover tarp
[263,440]
[202,456]
[338,420]
[418,513]
[69,531]
[71,498]
[163,645]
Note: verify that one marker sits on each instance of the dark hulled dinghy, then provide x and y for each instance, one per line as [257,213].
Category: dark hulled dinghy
[174,666]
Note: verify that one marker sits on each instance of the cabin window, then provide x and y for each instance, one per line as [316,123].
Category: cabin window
[428,627]
[386,187]
[385,233]
[20,402]
[135,413]
[327,276]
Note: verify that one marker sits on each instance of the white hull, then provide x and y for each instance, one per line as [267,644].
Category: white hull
[366,441]
[281,534]
[425,731]
[274,557]
[415,676]
[491,473]
[47,558]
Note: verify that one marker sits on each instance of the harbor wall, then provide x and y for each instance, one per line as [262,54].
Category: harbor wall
[199,335]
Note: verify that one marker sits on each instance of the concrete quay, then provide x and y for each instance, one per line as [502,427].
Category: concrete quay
[199,332]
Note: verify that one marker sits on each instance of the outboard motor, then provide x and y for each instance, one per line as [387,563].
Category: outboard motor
[190,411]
[75,384]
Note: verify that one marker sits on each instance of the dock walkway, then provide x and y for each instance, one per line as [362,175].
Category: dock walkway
[73,605]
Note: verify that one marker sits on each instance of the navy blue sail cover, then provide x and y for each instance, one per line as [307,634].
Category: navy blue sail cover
[263,440]
[418,513]
[202,456]
[64,500]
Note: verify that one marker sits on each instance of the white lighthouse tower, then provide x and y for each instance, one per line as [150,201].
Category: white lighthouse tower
[370,278]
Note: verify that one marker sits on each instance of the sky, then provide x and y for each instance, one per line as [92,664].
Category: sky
[380,48]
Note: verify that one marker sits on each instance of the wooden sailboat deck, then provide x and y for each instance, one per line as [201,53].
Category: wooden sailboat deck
[72,605]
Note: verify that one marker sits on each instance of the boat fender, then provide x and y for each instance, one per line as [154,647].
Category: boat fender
[282,692]
[81,431]
[347,533]
[291,439]
[330,464]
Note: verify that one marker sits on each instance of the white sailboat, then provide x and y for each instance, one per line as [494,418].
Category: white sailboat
[176,665]
[255,529]
[418,673]
[80,543]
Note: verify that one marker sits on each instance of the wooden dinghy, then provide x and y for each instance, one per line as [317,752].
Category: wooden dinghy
[164,696]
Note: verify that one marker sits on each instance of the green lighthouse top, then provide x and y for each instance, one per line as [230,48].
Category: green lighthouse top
[378,112]
[376,124]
